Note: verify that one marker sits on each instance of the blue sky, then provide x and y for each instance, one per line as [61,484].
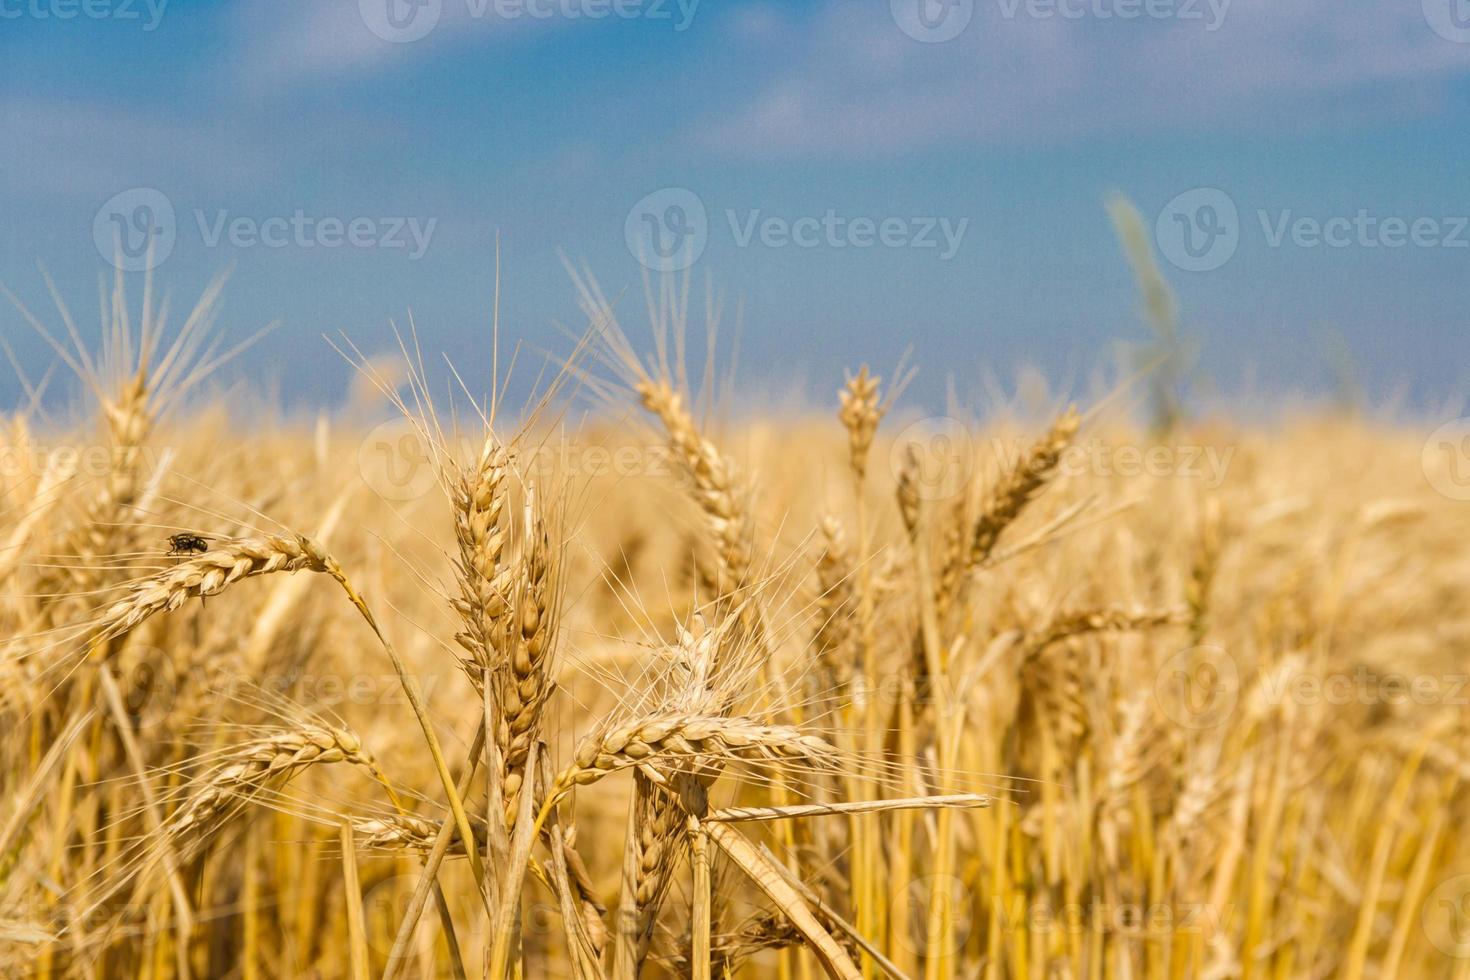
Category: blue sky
[802,130]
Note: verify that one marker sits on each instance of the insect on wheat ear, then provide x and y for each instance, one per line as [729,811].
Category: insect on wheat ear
[188,544]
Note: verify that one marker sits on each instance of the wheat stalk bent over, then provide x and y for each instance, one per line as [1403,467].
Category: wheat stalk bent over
[208,575]
[258,764]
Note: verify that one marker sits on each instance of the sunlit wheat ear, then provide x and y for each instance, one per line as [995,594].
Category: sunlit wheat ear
[136,379]
[479,495]
[687,739]
[969,546]
[412,833]
[906,490]
[714,481]
[1131,757]
[766,930]
[102,530]
[249,769]
[1203,568]
[860,414]
[1073,623]
[657,822]
[835,605]
[50,491]
[1017,488]
[525,685]
[252,771]
[654,837]
[208,575]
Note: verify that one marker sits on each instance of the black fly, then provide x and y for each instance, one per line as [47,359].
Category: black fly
[188,544]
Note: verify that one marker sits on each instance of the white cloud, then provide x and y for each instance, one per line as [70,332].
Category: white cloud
[861,85]
[287,45]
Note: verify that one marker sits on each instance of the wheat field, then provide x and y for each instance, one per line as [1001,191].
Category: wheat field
[613,683]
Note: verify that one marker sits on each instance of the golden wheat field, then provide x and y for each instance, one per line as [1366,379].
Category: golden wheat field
[615,683]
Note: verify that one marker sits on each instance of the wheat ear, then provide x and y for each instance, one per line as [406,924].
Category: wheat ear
[479,499]
[208,575]
[714,478]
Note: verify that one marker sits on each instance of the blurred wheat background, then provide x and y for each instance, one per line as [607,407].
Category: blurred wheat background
[608,685]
